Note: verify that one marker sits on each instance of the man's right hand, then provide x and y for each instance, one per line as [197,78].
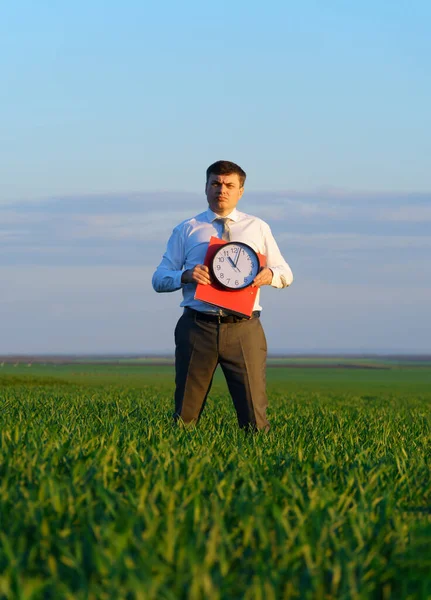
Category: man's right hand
[199,274]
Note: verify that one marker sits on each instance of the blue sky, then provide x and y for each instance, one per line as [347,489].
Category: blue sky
[111,112]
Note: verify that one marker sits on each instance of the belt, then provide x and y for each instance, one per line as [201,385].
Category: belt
[213,318]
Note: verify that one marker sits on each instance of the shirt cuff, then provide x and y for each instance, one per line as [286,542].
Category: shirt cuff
[177,280]
[279,278]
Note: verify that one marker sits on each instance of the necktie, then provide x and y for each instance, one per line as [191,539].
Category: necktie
[226,231]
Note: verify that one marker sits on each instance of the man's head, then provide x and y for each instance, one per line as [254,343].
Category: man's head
[224,186]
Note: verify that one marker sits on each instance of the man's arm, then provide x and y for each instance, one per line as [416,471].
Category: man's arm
[277,273]
[167,277]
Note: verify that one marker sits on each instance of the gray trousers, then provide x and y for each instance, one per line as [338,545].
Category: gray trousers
[240,349]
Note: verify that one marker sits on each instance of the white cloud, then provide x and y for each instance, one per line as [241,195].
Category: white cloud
[15,217]
[114,309]
[407,214]
[138,226]
[15,235]
[354,241]
[84,309]
[280,208]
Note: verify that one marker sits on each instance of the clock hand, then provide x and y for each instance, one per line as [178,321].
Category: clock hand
[237,257]
[232,263]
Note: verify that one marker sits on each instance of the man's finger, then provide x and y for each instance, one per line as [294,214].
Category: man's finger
[258,281]
[203,279]
[201,275]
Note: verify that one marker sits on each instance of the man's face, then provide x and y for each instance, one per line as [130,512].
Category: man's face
[223,193]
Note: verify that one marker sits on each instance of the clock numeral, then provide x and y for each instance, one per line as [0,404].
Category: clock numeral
[221,275]
[226,252]
[218,267]
[221,259]
[245,279]
[236,282]
[228,279]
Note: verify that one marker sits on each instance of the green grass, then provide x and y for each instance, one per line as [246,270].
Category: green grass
[102,497]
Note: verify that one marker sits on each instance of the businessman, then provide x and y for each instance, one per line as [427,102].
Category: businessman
[205,335]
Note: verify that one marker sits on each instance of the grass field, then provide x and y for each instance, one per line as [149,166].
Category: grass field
[102,497]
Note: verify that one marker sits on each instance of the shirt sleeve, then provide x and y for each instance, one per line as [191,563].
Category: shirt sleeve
[282,273]
[167,277]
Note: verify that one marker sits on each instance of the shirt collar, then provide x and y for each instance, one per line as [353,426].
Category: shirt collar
[234,215]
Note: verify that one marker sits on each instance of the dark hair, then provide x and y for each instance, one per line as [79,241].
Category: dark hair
[225,167]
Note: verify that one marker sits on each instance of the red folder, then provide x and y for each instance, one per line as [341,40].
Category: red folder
[240,302]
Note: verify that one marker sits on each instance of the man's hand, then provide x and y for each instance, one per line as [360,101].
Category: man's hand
[199,274]
[264,277]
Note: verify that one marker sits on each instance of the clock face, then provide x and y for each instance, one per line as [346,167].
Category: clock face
[235,265]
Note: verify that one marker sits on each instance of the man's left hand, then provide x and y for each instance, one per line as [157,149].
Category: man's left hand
[264,277]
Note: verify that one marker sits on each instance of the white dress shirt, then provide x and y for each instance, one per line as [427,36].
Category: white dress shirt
[188,245]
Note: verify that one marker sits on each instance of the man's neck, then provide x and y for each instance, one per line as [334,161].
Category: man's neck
[223,215]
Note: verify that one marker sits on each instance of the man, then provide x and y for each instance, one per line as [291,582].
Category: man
[205,335]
